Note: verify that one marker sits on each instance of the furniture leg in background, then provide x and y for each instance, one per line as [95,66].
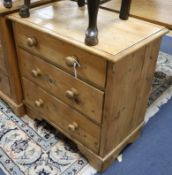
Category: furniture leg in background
[81,3]
[7,3]
[125,9]
[24,10]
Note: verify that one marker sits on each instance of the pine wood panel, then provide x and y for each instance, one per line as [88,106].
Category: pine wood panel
[62,115]
[10,60]
[156,11]
[127,91]
[59,82]
[145,85]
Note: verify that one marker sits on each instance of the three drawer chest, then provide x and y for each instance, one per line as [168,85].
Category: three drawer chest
[96,96]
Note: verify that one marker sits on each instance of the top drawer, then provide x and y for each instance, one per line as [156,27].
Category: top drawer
[64,55]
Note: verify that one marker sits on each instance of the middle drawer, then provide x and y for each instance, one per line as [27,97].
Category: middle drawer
[62,85]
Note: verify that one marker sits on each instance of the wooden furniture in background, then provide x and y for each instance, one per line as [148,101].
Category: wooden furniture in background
[96,96]
[10,88]
[156,11]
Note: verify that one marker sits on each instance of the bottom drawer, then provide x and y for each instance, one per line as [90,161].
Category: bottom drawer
[61,115]
[4,84]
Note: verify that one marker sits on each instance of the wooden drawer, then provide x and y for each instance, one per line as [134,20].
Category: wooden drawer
[61,115]
[4,84]
[92,68]
[74,92]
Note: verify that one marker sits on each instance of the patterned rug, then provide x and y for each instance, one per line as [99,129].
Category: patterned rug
[161,86]
[29,147]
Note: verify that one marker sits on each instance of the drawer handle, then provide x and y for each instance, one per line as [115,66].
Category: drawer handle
[39,103]
[73,127]
[71,61]
[31,42]
[36,72]
[72,94]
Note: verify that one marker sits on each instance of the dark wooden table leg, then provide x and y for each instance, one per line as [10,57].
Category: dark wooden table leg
[91,38]
[125,9]
[24,10]
[81,3]
[7,3]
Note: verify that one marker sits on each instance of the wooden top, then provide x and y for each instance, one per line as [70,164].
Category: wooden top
[117,38]
[156,11]
[18,3]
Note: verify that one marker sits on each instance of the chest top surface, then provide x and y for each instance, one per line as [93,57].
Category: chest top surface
[65,21]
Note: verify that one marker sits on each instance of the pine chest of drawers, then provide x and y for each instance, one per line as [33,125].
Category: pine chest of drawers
[96,96]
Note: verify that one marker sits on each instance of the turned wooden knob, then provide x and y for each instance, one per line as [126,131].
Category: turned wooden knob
[36,72]
[39,103]
[72,94]
[70,61]
[31,41]
[73,126]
